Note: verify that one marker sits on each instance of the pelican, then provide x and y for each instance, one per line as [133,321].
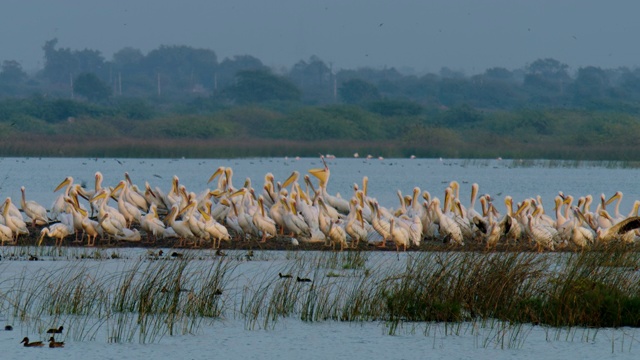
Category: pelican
[337,234]
[151,223]
[130,211]
[181,227]
[398,235]
[379,224]
[541,234]
[6,235]
[59,204]
[133,196]
[16,224]
[448,227]
[323,175]
[623,230]
[58,231]
[581,236]
[109,226]
[103,208]
[355,226]
[264,224]
[36,212]
[196,225]
[217,231]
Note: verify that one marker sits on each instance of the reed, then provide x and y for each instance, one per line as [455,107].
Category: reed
[496,296]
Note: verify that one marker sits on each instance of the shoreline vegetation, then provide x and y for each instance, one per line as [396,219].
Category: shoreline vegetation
[236,134]
[158,295]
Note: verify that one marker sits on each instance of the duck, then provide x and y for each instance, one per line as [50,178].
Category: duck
[55,344]
[299,279]
[31,344]
[55,331]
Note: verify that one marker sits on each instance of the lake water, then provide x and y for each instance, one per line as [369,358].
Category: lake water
[291,338]
[498,178]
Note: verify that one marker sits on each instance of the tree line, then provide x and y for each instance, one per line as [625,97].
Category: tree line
[179,92]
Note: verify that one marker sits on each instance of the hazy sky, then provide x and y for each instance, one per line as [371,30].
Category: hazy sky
[468,35]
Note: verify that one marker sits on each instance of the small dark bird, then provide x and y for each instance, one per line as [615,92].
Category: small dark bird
[55,344]
[176,254]
[8,328]
[55,331]
[33,258]
[299,279]
[285,276]
[217,292]
[31,344]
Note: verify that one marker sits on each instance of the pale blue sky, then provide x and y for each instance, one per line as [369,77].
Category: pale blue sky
[468,35]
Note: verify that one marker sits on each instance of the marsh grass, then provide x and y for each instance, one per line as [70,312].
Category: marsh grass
[495,296]
[143,299]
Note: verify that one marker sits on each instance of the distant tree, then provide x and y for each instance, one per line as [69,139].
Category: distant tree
[358,91]
[255,86]
[498,73]
[229,68]
[591,84]
[12,72]
[395,108]
[181,66]
[314,78]
[548,75]
[61,64]
[89,86]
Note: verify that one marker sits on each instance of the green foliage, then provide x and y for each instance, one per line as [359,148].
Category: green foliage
[92,88]
[257,86]
[395,108]
[357,91]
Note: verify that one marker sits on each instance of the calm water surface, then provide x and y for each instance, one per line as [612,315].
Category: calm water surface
[498,178]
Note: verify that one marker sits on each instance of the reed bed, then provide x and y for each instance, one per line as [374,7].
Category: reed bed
[496,296]
[139,299]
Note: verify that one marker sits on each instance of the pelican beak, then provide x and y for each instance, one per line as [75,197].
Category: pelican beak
[321,174]
[217,173]
[64,183]
[189,206]
[612,198]
[293,177]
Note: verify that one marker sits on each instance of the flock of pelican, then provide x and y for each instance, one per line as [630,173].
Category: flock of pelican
[301,211]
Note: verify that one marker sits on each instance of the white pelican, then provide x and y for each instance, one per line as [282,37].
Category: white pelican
[133,196]
[58,231]
[355,226]
[217,231]
[337,234]
[59,204]
[181,227]
[294,221]
[130,211]
[262,222]
[109,226]
[92,228]
[581,235]
[196,224]
[36,212]
[16,224]
[623,230]
[323,175]
[152,224]
[449,229]
[541,234]
[116,217]
[380,224]
[398,235]
[6,235]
